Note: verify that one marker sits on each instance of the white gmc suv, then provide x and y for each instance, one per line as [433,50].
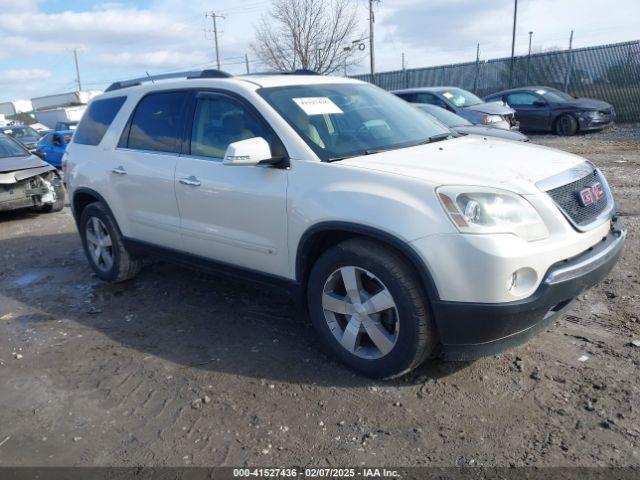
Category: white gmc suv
[405,240]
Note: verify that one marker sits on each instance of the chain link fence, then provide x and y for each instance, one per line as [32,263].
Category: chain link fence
[607,72]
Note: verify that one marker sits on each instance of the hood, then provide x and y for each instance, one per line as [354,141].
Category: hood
[492,108]
[491,132]
[588,104]
[12,164]
[473,160]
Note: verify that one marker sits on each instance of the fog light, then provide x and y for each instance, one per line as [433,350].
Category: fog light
[522,281]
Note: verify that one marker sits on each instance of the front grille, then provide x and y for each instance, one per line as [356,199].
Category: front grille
[567,197]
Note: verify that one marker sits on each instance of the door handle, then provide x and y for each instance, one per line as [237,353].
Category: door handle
[119,170]
[191,181]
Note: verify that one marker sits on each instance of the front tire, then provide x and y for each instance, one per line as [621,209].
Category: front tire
[566,125]
[104,247]
[370,309]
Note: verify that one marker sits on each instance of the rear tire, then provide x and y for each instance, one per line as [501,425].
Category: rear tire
[382,338]
[104,247]
[566,125]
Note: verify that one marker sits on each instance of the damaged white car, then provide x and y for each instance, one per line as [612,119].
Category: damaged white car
[26,181]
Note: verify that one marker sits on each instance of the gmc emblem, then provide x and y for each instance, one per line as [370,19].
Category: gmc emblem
[591,194]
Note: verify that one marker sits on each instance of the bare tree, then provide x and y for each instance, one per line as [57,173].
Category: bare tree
[310,34]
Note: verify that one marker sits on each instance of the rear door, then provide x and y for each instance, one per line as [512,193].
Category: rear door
[44,146]
[532,111]
[232,214]
[142,169]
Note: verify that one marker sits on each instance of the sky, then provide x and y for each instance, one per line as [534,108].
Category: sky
[120,40]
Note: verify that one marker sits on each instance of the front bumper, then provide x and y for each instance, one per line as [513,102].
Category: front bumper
[472,330]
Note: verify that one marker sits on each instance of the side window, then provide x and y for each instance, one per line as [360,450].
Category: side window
[219,121]
[521,99]
[409,97]
[430,99]
[156,122]
[97,119]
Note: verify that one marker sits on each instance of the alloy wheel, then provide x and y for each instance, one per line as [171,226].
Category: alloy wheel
[99,244]
[360,312]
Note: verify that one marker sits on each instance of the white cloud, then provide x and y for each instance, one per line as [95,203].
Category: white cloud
[17,6]
[117,25]
[23,75]
[157,59]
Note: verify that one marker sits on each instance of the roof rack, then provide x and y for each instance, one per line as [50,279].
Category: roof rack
[299,71]
[192,74]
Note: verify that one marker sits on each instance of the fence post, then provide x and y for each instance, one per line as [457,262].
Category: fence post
[567,77]
[475,79]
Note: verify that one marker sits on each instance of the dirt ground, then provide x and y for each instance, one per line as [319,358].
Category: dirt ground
[180,368]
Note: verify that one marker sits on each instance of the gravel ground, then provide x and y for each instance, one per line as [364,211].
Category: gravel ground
[180,368]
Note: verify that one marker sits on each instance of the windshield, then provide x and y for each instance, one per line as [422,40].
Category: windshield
[10,148]
[555,95]
[21,132]
[345,120]
[450,119]
[460,98]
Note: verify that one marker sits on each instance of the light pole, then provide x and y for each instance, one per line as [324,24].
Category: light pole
[513,39]
[529,57]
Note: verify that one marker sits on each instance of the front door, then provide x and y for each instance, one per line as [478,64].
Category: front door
[232,214]
[531,111]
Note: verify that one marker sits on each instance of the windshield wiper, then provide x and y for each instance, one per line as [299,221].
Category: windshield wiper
[439,137]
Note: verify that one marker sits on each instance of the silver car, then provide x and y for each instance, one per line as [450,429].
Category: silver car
[463,103]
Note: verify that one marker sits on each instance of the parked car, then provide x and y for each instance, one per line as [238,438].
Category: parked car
[404,241]
[24,134]
[52,146]
[544,109]
[26,181]
[463,103]
[465,127]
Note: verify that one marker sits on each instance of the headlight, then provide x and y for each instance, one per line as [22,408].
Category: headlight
[491,118]
[592,114]
[489,210]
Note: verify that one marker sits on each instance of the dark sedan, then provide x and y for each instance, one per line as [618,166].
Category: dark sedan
[24,134]
[544,109]
[465,127]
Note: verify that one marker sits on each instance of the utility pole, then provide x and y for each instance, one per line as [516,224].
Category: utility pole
[75,58]
[246,62]
[567,77]
[371,42]
[530,35]
[403,64]
[214,17]
[513,40]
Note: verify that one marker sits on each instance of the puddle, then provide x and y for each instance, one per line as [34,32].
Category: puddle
[30,278]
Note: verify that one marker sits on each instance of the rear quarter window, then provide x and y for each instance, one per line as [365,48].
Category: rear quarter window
[97,120]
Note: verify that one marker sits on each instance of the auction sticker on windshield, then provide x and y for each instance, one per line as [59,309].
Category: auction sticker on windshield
[317,105]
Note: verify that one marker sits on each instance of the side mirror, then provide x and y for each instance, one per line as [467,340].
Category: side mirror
[539,103]
[248,153]
[39,154]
